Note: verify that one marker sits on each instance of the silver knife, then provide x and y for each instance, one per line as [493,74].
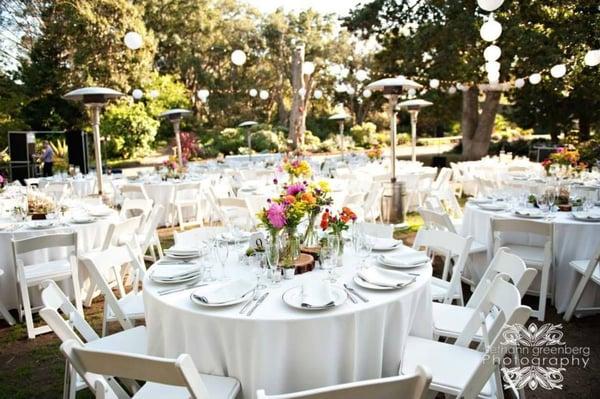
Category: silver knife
[358,294]
[253,298]
[260,300]
[350,295]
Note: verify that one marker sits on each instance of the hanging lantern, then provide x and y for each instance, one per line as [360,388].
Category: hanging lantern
[434,83]
[493,76]
[558,71]
[535,78]
[490,30]
[592,58]
[203,94]
[492,66]
[137,94]
[263,94]
[492,53]
[361,75]
[154,93]
[308,68]
[253,92]
[489,5]
[519,83]
[318,94]
[133,40]
[412,92]
[367,93]
[452,90]
[238,57]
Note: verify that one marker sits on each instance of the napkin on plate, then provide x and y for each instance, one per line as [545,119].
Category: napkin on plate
[316,293]
[385,278]
[529,212]
[182,250]
[415,258]
[384,243]
[227,292]
[173,272]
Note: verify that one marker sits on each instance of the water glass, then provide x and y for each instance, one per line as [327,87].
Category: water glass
[329,256]
[272,255]
[221,254]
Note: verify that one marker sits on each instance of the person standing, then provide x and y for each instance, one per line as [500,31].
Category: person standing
[47,159]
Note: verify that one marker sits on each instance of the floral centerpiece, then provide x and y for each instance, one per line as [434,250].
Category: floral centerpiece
[39,204]
[566,159]
[375,153]
[317,196]
[174,171]
[336,224]
[297,168]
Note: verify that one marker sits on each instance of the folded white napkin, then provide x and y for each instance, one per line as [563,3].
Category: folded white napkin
[182,250]
[227,292]
[529,212]
[587,215]
[384,243]
[385,278]
[316,293]
[408,258]
[172,272]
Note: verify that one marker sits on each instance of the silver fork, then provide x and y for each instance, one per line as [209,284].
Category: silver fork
[249,301]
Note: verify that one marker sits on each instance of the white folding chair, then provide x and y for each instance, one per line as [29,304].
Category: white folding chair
[450,320]
[468,373]
[455,249]
[130,306]
[58,191]
[136,207]
[148,236]
[378,230]
[133,191]
[165,378]
[186,195]
[4,311]
[538,257]
[72,325]
[413,386]
[589,271]
[372,205]
[232,210]
[32,275]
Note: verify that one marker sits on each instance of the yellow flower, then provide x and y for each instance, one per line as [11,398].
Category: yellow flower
[324,186]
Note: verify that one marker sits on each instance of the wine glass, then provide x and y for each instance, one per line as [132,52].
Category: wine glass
[221,254]
[329,255]
[551,197]
[364,250]
[258,267]
[542,202]
[272,255]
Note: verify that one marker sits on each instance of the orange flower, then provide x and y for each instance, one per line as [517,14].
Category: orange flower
[325,220]
[290,199]
[308,198]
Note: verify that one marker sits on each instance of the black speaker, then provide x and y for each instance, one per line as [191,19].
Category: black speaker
[17,144]
[77,145]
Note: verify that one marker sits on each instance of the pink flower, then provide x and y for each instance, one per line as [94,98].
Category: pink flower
[276,215]
[296,188]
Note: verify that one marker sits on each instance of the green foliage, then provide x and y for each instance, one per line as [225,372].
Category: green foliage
[312,143]
[589,151]
[129,128]
[364,134]
[505,129]
[266,140]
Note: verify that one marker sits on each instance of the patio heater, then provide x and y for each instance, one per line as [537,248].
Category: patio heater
[175,116]
[340,117]
[247,125]
[394,199]
[413,107]
[94,98]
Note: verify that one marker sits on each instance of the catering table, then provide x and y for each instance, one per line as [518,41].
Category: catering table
[573,240]
[282,349]
[89,236]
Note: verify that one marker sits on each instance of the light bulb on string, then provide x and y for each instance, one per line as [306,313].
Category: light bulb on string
[592,58]
[452,90]
[367,93]
[535,78]
[361,75]
[492,66]
[263,94]
[133,40]
[519,83]
[318,94]
[492,53]
[490,30]
[137,94]
[238,57]
[253,92]
[558,71]
[434,83]
[308,68]
[489,5]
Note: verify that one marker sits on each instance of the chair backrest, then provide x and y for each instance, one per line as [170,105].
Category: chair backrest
[134,191]
[177,372]
[148,228]
[508,264]
[123,229]
[136,207]
[42,242]
[355,200]
[58,191]
[199,234]
[413,386]
[109,261]
[442,180]
[54,300]
[522,226]
[453,246]
[187,190]
[377,229]
[436,220]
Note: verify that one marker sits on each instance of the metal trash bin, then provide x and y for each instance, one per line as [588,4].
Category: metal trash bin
[393,203]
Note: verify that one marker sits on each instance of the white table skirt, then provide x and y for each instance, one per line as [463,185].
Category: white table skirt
[90,236]
[281,349]
[573,240]
[82,187]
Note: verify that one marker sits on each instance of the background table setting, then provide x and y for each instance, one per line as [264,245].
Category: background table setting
[235,316]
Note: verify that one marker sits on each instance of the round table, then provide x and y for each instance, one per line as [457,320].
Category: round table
[81,186]
[89,236]
[281,349]
[573,240]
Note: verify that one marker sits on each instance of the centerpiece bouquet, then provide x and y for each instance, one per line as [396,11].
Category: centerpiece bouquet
[337,224]
[566,160]
[317,196]
[297,168]
[174,171]
[375,154]
[39,204]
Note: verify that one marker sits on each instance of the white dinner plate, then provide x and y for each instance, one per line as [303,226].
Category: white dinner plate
[586,217]
[366,284]
[293,298]
[385,245]
[478,201]
[381,260]
[222,304]
[492,207]
[42,225]
[187,278]
[83,220]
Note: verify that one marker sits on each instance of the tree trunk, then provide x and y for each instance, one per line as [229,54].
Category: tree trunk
[298,112]
[485,125]
[584,128]
[469,119]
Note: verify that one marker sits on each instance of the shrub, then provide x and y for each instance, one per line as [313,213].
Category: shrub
[364,134]
[190,148]
[590,151]
[312,143]
[266,140]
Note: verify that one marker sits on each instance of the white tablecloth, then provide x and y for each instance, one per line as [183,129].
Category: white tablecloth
[573,240]
[89,236]
[82,187]
[282,349]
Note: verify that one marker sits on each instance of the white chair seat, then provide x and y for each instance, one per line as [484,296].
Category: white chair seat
[532,256]
[132,306]
[53,270]
[440,359]
[439,288]
[217,387]
[477,247]
[581,266]
[133,340]
[451,320]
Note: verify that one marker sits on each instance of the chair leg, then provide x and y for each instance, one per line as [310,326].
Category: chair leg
[543,293]
[6,315]
[77,289]
[104,321]
[575,299]
[158,246]
[180,217]
[27,310]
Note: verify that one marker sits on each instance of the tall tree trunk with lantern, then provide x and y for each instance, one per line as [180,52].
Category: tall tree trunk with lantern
[476,127]
[301,92]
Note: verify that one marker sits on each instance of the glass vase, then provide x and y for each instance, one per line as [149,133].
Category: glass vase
[290,248]
[311,238]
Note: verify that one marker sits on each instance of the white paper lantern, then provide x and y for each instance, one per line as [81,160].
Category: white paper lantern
[318,94]
[519,83]
[434,83]
[340,88]
[361,75]
[367,93]
[492,53]
[558,71]
[412,92]
[238,57]
[535,78]
[137,94]
[592,58]
[492,66]
[263,94]
[302,92]
[459,86]
[493,76]
[350,90]
[308,68]
[253,92]
[489,5]
[203,94]
[154,93]
[490,30]
[344,72]
[452,90]
[133,40]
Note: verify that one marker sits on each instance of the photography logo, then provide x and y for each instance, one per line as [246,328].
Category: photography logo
[538,356]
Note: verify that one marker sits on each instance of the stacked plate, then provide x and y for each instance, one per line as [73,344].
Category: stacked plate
[99,211]
[404,260]
[380,279]
[41,225]
[239,236]
[315,297]
[480,200]
[385,244]
[82,219]
[224,294]
[174,274]
[182,253]
[586,216]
